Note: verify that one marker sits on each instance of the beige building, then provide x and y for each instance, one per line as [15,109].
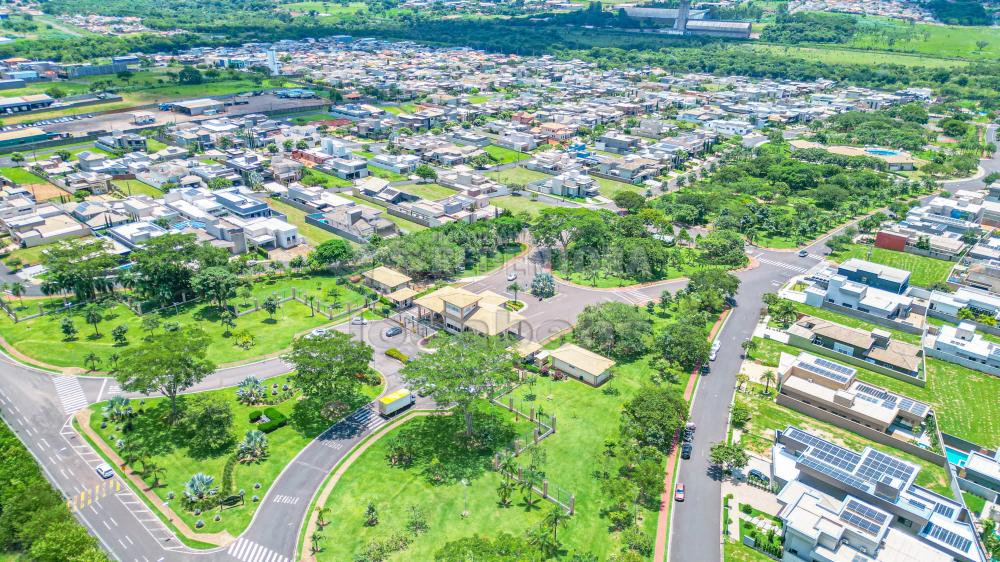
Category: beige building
[386,280]
[582,364]
[833,387]
[458,310]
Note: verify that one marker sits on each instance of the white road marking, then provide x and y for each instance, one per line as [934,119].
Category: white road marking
[249,551]
[783,265]
[291,500]
[70,394]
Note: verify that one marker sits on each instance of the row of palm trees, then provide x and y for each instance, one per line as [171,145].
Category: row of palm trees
[769,377]
[546,535]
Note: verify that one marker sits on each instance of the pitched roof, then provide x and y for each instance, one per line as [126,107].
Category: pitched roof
[386,276]
[582,359]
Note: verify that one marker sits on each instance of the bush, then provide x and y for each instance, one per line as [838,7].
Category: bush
[397,355]
[275,420]
[255,416]
[745,508]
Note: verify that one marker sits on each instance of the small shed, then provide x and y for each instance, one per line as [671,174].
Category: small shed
[582,364]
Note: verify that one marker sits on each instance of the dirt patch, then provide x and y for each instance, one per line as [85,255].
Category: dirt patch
[45,191]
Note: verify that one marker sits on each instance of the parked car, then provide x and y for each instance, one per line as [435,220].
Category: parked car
[393,331]
[105,471]
[511,275]
[803,253]
[716,345]
[754,473]
[679,493]
[686,451]
[688,436]
[705,369]
[712,355]
[358,321]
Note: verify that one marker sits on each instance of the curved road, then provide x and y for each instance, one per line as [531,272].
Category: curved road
[38,406]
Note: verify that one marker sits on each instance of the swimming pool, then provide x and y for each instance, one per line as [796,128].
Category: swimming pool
[881,152]
[956,457]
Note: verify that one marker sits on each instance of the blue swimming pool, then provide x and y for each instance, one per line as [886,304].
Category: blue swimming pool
[956,457]
[881,152]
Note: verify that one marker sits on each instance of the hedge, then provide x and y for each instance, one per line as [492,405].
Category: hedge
[397,355]
[255,416]
[275,420]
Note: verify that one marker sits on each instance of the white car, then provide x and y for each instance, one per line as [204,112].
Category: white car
[358,321]
[713,355]
[105,471]
[511,275]
[716,345]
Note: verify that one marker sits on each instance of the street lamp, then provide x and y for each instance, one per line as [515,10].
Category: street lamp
[465,484]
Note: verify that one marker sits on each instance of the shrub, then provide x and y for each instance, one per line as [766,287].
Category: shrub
[397,355]
[275,420]
[745,508]
[255,416]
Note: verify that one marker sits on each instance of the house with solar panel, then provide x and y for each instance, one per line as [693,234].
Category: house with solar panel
[875,350]
[841,505]
[833,387]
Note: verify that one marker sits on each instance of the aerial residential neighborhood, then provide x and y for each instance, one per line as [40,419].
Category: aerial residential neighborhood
[524,281]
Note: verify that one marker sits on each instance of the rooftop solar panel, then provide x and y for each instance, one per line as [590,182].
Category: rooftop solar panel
[863,516]
[917,408]
[826,373]
[948,537]
[875,466]
[945,510]
[835,473]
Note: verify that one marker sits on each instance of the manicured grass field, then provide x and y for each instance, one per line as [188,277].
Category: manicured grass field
[175,454]
[487,264]
[42,338]
[400,108]
[587,417]
[768,416]
[154,145]
[520,203]
[136,187]
[505,155]
[736,552]
[924,271]
[310,118]
[605,280]
[522,176]
[324,179]
[951,389]
[478,99]
[385,174]
[609,188]
[21,176]
[431,191]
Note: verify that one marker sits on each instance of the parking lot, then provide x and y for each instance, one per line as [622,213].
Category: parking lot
[122,121]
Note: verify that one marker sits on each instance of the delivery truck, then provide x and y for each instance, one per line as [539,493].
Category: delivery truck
[391,404]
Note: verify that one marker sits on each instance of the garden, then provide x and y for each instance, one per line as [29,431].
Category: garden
[215,463]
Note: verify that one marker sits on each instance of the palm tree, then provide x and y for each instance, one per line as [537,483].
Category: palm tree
[504,491]
[749,346]
[94,315]
[17,289]
[321,516]
[768,378]
[508,465]
[741,380]
[156,471]
[315,547]
[553,519]
[539,536]
[527,487]
[113,359]
[92,361]
[514,288]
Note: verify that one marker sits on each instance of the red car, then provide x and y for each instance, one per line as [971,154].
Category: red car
[679,493]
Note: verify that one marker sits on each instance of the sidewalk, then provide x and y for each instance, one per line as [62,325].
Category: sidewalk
[666,499]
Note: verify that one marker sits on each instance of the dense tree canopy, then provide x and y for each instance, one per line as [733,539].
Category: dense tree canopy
[653,418]
[614,329]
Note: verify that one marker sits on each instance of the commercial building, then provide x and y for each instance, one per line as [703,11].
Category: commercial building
[459,310]
[21,104]
[841,505]
[203,106]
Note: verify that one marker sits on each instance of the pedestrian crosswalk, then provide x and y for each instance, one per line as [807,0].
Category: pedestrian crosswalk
[366,418]
[788,266]
[249,551]
[70,394]
[634,297]
[290,500]
[93,494]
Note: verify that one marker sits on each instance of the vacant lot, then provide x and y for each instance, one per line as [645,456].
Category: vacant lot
[925,271]
[431,191]
[522,176]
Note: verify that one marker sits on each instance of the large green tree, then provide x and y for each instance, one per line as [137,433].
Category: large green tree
[329,366]
[217,283]
[684,343]
[332,252]
[168,363]
[462,370]
[653,417]
[614,329]
[165,265]
[83,267]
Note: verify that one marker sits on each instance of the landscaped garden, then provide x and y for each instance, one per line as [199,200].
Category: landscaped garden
[925,271]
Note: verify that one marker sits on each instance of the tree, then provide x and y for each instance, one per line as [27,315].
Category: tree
[270,305]
[613,328]
[189,75]
[684,343]
[150,323]
[65,540]
[714,280]
[555,517]
[653,418]
[371,514]
[169,363]
[209,422]
[543,286]
[501,548]
[723,247]
[425,172]
[219,183]
[749,345]
[332,252]
[741,380]
[253,447]
[217,283]
[16,289]
[740,414]
[514,288]
[981,44]
[465,368]
[68,328]
[164,266]
[17,158]
[93,314]
[329,366]
[768,378]
[731,456]
[119,334]
[92,361]
[629,200]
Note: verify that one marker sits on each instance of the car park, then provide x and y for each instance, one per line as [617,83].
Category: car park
[679,493]
[104,470]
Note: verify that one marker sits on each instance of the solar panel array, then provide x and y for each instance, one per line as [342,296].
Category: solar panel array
[876,393]
[835,473]
[825,373]
[948,537]
[912,406]
[945,510]
[876,466]
[863,516]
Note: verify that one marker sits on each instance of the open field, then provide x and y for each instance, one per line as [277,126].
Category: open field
[136,187]
[430,191]
[518,175]
[609,188]
[42,339]
[925,271]
[520,203]
[326,10]
[505,155]
[928,40]
[835,55]
[179,455]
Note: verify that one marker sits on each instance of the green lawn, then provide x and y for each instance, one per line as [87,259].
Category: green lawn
[329,8]
[520,203]
[385,174]
[505,155]
[400,108]
[316,177]
[487,264]
[924,271]
[587,417]
[21,176]
[834,55]
[974,503]
[600,278]
[609,188]
[928,40]
[404,225]
[136,187]
[180,457]
[153,145]
[42,339]
[768,416]
[314,234]
[311,118]
[518,175]
[736,552]
[951,390]
[32,255]
[478,99]
[431,191]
